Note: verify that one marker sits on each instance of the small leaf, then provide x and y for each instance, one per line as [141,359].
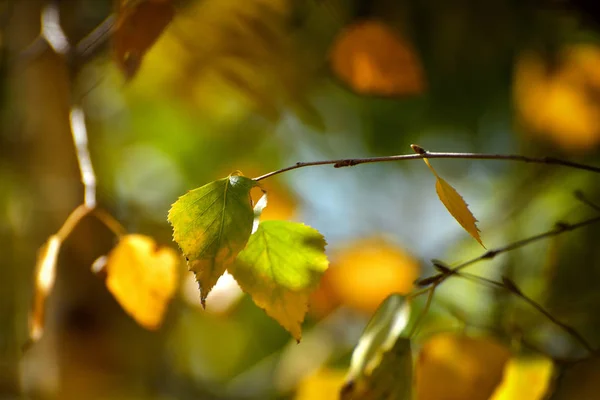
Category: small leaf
[139,24]
[458,208]
[279,267]
[45,275]
[453,201]
[142,277]
[381,366]
[212,225]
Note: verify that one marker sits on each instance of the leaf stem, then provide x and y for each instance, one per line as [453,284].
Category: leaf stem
[349,162]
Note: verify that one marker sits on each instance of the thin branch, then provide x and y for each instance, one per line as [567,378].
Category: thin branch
[581,197]
[349,162]
[93,40]
[72,220]
[110,222]
[567,328]
[560,228]
[425,310]
[80,139]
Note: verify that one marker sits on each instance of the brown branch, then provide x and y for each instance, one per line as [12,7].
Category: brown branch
[349,162]
[561,227]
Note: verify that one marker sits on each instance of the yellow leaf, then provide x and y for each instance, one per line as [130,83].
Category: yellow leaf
[45,275]
[366,272]
[455,205]
[458,208]
[525,379]
[456,367]
[324,384]
[372,59]
[142,277]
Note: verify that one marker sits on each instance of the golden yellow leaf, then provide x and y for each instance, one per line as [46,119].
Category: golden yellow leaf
[525,379]
[372,59]
[324,384]
[45,275]
[366,272]
[457,367]
[456,205]
[142,277]
[139,24]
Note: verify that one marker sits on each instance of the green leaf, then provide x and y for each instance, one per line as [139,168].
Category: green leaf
[381,366]
[212,225]
[282,263]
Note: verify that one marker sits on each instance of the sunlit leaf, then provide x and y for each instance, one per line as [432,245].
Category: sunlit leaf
[279,267]
[212,225]
[453,367]
[372,59]
[526,378]
[142,277]
[45,275]
[456,205]
[381,366]
[580,381]
[363,273]
[139,24]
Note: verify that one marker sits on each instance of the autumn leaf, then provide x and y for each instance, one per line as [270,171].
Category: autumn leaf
[381,365]
[451,367]
[526,378]
[279,267]
[372,59]
[453,202]
[139,24]
[45,275]
[142,277]
[212,225]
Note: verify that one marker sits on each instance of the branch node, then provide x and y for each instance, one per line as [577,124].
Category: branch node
[345,163]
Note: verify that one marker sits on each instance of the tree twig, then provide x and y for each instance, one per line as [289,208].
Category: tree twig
[349,162]
[86,169]
[561,227]
[581,197]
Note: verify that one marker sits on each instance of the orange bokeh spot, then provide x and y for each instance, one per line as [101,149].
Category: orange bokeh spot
[372,59]
[363,274]
[457,367]
[562,105]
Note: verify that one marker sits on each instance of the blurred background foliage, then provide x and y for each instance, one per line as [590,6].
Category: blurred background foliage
[258,85]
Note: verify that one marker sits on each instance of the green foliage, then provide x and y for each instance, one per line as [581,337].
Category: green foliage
[282,263]
[381,366]
[211,225]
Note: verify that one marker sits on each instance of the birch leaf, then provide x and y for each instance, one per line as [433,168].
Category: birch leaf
[457,206]
[212,225]
[142,277]
[453,201]
[281,265]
